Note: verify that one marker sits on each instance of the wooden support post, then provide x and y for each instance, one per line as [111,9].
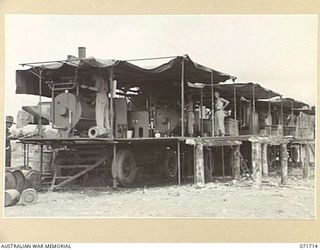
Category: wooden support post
[305,161]
[210,164]
[28,156]
[284,163]
[41,164]
[212,107]
[222,158]
[300,157]
[24,155]
[199,173]
[256,163]
[236,162]
[182,98]
[264,159]
[179,163]
[115,163]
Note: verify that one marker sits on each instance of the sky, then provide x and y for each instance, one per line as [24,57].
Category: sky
[277,51]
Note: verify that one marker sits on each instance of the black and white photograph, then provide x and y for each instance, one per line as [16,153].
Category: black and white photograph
[160,116]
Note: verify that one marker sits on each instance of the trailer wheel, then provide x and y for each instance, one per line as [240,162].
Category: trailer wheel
[125,169]
[170,165]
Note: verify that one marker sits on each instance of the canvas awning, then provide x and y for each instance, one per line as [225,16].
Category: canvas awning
[290,103]
[246,90]
[166,76]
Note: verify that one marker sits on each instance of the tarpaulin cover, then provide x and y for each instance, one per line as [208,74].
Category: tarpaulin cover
[246,90]
[289,103]
[126,74]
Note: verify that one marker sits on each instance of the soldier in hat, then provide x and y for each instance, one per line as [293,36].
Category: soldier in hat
[9,122]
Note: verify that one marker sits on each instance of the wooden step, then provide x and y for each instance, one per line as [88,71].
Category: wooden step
[67,179]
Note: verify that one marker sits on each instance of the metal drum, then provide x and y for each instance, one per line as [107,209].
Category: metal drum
[11,197]
[71,111]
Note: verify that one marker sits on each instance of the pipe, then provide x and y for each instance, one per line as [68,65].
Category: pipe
[81,52]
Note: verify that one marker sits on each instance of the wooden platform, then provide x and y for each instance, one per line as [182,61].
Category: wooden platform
[219,141]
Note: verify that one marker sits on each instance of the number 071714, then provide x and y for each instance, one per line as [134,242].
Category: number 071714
[308,245]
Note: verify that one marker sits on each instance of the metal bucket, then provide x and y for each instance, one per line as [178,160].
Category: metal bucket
[11,197]
[32,179]
[10,180]
[34,160]
[29,196]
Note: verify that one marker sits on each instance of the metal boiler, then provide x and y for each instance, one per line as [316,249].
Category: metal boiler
[70,111]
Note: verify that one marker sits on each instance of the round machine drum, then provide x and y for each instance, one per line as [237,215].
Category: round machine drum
[71,111]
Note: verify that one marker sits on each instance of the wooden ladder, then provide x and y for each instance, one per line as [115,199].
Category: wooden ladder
[244,167]
[69,165]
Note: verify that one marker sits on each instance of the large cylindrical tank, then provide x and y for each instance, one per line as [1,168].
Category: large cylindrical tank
[71,111]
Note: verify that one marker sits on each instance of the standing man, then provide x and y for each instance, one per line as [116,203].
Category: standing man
[102,103]
[9,122]
[220,104]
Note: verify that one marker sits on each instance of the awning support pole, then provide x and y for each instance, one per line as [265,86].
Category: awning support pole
[40,108]
[292,118]
[111,103]
[212,106]
[281,113]
[235,107]
[269,112]
[182,98]
[201,113]
[240,116]
[253,108]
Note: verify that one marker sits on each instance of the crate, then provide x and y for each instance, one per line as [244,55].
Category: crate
[274,130]
[231,126]
[290,131]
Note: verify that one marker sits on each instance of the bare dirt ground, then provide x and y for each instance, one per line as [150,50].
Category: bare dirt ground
[217,199]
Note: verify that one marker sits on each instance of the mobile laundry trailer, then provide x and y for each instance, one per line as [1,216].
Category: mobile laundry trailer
[148,120]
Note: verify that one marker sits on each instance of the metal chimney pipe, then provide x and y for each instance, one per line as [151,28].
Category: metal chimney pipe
[81,52]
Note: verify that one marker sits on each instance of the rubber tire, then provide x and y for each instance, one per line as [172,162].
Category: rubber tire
[169,158]
[124,159]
